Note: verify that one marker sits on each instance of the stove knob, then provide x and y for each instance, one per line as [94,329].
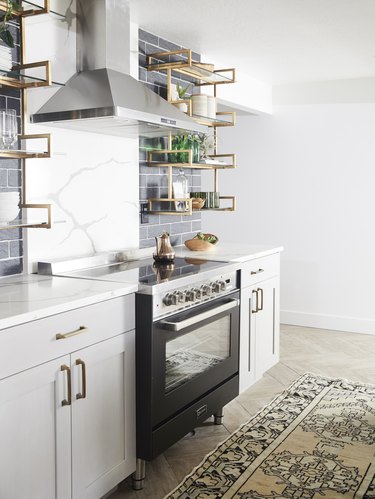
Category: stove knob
[170,299]
[198,293]
[191,295]
[206,290]
[216,287]
[222,285]
[180,296]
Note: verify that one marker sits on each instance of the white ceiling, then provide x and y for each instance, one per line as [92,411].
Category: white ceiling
[276,41]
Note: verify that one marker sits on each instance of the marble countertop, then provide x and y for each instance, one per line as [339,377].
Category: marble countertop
[231,252]
[26,298]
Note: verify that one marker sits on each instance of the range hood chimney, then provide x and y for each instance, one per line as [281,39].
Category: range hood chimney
[102,97]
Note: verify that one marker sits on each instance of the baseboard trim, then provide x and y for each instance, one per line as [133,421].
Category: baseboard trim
[335,322]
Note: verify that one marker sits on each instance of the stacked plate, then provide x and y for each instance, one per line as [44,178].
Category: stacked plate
[5,58]
[9,206]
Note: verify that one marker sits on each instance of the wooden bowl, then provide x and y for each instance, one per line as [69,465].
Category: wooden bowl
[198,203]
[199,244]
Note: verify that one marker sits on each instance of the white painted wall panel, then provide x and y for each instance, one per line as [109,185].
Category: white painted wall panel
[306,180]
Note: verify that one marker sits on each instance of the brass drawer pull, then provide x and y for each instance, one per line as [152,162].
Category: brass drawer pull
[254,272]
[254,293]
[64,336]
[67,401]
[82,395]
[260,307]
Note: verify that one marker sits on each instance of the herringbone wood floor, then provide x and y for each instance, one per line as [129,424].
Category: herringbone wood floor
[328,353]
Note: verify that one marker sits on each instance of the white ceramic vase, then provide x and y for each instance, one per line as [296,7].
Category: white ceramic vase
[182,107]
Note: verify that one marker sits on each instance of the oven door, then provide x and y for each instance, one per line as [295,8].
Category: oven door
[193,352]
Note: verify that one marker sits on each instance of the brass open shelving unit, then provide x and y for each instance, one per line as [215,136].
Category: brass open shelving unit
[18,78]
[181,61]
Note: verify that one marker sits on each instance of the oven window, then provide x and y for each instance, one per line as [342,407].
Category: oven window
[196,352]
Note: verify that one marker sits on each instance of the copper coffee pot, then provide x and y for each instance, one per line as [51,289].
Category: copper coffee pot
[164,250]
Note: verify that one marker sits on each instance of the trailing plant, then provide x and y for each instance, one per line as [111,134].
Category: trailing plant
[5,35]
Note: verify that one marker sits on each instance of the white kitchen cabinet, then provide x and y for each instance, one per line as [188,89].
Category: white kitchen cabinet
[247,338]
[67,426]
[103,416]
[267,327]
[259,324]
[35,429]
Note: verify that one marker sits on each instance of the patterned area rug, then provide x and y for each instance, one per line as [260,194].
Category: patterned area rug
[314,440]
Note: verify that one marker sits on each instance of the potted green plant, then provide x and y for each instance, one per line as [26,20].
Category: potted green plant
[181,92]
[5,35]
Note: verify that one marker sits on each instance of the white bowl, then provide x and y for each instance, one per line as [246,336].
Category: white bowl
[15,202]
[9,196]
[4,202]
[9,214]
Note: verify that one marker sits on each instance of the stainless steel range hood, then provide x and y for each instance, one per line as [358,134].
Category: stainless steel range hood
[102,97]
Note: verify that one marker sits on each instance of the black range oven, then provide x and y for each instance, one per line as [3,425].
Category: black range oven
[187,344]
[187,337]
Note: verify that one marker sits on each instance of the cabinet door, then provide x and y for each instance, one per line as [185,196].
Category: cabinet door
[267,326]
[247,337]
[35,449]
[103,416]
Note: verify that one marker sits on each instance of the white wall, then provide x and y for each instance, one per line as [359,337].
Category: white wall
[92,179]
[306,180]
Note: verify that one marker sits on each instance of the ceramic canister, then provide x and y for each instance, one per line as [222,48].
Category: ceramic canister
[199,105]
[211,106]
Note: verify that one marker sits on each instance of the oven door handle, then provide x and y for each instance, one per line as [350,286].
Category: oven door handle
[178,326]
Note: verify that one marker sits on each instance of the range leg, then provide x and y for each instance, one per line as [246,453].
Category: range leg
[219,416]
[138,477]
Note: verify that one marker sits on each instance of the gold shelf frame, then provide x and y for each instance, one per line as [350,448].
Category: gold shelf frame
[189,67]
[23,155]
[203,77]
[152,211]
[197,166]
[18,154]
[27,12]
[8,81]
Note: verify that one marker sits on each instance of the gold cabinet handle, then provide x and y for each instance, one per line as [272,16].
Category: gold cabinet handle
[82,395]
[67,401]
[260,291]
[254,292]
[64,336]
[253,272]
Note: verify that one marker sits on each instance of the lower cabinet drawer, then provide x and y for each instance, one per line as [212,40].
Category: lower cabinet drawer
[260,269]
[33,343]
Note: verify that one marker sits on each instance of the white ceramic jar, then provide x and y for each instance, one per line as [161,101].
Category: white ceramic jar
[211,106]
[200,104]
